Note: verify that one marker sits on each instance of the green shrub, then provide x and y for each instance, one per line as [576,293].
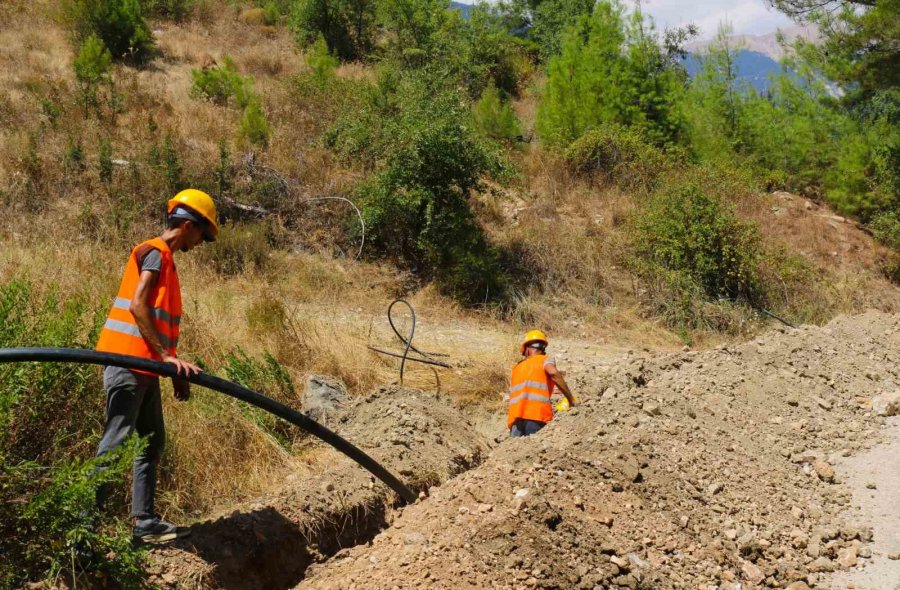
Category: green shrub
[92,69]
[254,126]
[271,14]
[222,84]
[46,532]
[104,161]
[49,414]
[177,10]
[347,26]
[416,137]
[619,155]
[886,227]
[321,61]
[74,158]
[119,24]
[496,118]
[689,244]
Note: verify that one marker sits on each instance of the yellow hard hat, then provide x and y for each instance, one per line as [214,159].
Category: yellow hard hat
[200,203]
[531,337]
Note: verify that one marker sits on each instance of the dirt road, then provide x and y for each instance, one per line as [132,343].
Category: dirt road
[874,479]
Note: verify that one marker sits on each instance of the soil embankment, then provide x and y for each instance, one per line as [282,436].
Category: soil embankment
[709,469]
[270,542]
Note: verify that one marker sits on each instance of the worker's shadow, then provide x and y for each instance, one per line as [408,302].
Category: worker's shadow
[264,549]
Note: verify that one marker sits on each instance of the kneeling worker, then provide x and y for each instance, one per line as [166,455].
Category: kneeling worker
[145,322]
[531,385]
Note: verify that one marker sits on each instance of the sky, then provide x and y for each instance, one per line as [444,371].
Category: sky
[750,17]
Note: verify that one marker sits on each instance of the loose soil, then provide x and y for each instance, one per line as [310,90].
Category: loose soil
[701,470]
[682,470]
[269,543]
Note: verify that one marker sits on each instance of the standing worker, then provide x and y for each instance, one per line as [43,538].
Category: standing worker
[531,385]
[145,321]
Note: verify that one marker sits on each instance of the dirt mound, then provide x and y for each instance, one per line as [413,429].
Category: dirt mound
[694,470]
[270,542]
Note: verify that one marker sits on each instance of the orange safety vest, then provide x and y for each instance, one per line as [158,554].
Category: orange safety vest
[530,389]
[120,332]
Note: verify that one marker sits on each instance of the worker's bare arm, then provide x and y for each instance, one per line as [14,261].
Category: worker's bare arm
[560,381]
[140,309]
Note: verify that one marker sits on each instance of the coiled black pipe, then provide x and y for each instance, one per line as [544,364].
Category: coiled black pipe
[93,357]
[426,357]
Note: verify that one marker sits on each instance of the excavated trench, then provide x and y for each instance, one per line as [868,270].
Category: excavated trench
[271,542]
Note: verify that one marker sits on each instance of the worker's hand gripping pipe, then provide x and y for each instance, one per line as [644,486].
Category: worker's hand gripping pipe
[69,355]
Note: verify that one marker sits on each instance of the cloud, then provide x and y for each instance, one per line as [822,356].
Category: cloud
[752,17]
[747,17]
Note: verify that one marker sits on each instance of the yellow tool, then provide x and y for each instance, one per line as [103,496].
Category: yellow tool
[563,404]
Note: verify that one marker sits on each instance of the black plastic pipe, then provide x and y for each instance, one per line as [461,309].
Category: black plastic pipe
[93,357]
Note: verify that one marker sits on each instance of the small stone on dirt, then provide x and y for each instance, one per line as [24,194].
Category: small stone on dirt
[824,471]
[753,572]
[414,539]
[886,404]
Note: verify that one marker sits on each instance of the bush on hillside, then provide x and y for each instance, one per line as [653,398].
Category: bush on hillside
[270,378]
[688,243]
[611,69]
[92,66]
[494,117]
[119,23]
[177,10]
[618,155]
[271,14]
[887,229]
[254,126]
[480,52]
[416,137]
[323,63]
[222,84]
[348,26]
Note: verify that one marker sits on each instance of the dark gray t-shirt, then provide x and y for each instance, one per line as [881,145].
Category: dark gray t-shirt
[152,260]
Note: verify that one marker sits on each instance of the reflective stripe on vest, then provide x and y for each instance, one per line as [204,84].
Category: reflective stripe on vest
[534,384]
[157,312]
[121,333]
[530,389]
[132,330]
[541,399]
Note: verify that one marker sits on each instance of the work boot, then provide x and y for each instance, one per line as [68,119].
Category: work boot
[157,530]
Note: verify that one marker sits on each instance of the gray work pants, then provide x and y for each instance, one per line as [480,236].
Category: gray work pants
[133,404]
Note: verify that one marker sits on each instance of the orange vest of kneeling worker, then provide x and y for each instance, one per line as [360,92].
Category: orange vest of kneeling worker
[531,384]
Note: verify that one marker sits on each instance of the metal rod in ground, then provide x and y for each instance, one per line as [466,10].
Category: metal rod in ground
[782,320]
[93,357]
[410,358]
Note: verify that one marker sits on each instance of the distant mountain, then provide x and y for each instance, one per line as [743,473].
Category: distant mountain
[752,67]
[758,56]
[464,9]
[766,44]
